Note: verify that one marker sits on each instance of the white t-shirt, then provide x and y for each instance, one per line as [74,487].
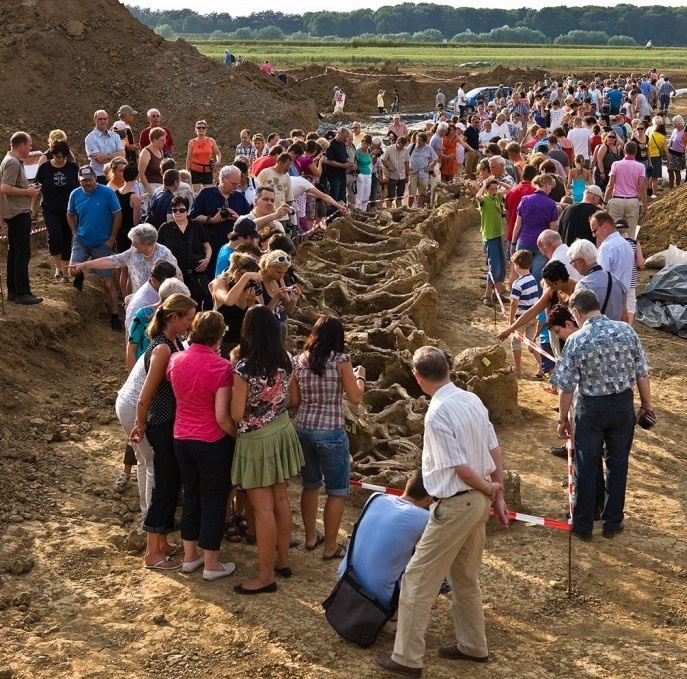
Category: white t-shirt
[557,116]
[579,136]
[299,185]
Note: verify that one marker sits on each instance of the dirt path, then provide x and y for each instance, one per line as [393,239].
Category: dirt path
[74,603]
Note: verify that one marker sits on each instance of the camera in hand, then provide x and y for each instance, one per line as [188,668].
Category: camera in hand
[224,213]
[647,419]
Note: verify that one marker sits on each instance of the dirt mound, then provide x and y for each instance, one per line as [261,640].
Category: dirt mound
[509,76]
[666,223]
[63,60]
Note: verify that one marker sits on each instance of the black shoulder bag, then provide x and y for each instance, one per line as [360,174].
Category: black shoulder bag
[355,614]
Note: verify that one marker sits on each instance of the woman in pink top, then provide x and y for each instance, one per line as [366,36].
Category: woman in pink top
[202,382]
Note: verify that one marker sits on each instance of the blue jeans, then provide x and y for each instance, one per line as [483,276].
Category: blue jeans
[602,420]
[496,259]
[539,261]
[206,475]
[326,453]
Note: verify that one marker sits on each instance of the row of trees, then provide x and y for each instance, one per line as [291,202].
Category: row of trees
[621,24]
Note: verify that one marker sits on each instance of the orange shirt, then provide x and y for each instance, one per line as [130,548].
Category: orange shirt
[201,154]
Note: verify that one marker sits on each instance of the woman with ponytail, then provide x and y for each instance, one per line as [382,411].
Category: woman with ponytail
[155,413]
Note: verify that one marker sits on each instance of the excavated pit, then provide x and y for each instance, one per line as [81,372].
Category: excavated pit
[374,272]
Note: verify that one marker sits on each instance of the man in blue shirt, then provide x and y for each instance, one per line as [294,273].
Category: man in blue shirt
[615,98]
[95,216]
[387,536]
[218,207]
[603,360]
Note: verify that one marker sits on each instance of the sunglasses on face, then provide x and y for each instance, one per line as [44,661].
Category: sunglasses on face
[201,127]
[283,259]
[179,209]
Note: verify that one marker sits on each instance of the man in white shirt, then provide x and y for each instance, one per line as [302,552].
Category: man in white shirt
[551,245]
[580,136]
[500,128]
[461,101]
[102,146]
[615,253]
[460,454]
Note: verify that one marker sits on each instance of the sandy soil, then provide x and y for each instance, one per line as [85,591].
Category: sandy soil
[74,602]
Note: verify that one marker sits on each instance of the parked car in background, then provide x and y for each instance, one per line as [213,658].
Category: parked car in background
[477,95]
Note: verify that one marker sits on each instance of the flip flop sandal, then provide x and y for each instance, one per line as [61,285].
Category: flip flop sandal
[340,553]
[166,564]
[232,533]
[176,549]
[512,369]
[550,389]
[319,539]
[241,523]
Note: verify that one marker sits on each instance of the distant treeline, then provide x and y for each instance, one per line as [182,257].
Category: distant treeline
[619,25]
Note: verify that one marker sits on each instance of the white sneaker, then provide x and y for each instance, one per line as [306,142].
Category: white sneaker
[119,486]
[228,569]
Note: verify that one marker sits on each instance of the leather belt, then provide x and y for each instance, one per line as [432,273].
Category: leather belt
[460,492]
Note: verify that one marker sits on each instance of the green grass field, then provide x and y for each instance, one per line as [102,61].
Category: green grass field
[550,57]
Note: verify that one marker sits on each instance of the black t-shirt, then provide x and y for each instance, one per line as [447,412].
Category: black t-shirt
[337,152]
[574,223]
[185,246]
[56,184]
[472,137]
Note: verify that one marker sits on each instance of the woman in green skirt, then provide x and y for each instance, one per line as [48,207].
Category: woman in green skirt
[267,449]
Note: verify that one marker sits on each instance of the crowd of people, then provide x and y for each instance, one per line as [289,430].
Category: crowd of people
[202,259]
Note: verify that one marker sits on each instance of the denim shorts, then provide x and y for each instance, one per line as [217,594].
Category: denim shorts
[82,253]
[326,453]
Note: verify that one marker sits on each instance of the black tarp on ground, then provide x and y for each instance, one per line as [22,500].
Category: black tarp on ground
[663,304]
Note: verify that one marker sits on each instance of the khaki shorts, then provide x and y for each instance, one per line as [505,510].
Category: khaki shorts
[416,185]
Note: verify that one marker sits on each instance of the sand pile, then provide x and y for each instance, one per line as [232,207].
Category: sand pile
[63,60]
[666,223]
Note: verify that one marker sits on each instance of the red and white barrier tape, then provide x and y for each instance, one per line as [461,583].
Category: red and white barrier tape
[3,239]
[515,516]
[571,485]
[520,336]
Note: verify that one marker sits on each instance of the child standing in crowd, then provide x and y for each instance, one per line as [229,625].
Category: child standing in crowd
[490,201]
[523,295]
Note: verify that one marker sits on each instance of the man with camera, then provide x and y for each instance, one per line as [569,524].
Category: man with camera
[603,360]
[218,207]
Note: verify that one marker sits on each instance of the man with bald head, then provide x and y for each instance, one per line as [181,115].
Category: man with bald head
[338,164]
[218,207]
[155,120]
[102,145]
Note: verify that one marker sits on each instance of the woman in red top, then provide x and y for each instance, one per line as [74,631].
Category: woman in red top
[202,382]
[199,157]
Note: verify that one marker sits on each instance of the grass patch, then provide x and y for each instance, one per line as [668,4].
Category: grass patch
[556,58]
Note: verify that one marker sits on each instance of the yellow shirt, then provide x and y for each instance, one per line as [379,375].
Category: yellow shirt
[656,142]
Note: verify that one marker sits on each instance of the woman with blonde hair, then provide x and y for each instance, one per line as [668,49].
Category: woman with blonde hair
[578,179]
[202,384]
[278,298]
[202,154]
[53,138]
[234,292]
[114,173]
[150,159]
[155,413]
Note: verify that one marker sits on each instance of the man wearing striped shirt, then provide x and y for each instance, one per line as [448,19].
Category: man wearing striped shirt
[462,469]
